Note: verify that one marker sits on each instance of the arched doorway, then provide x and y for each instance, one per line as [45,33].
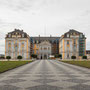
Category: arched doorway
[41,57]
[45,56]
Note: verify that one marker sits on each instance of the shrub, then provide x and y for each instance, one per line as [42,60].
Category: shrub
[34,56]
[58,56]
[84,57]
[73,57]
[19,57]
[8,57]
[2,57]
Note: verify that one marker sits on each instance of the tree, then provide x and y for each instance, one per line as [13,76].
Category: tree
[34,56]
[56,56]
[8,57]
[73,57]
[19,57]
[60,55]
[84,57]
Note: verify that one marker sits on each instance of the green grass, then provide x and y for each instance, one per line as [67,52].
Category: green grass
[79,63]
[8,65]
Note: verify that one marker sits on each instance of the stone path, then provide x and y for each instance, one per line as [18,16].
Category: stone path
[46,75]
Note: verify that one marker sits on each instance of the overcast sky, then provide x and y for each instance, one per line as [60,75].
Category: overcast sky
[34,16]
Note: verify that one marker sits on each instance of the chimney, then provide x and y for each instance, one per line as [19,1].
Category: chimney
[15,29]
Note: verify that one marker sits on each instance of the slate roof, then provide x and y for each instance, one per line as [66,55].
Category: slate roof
[20,32]
[71,32]
[45,38]
[40,39]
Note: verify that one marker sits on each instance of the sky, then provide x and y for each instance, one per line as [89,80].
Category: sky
[44,17]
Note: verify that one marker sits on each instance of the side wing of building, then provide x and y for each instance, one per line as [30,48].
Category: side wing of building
[17,43]
[72,43]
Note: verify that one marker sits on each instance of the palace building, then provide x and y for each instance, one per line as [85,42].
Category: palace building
[18,43]
[72,43]
[48,45]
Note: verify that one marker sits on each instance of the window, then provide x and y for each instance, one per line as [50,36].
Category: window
[41,48]
[37,41]
[9,48]
[81,35]
[9,35]
[22,35]
[9,43]
[67,35]
[22,43]
[67,55]
[74,41]
[45,48]
[68,42]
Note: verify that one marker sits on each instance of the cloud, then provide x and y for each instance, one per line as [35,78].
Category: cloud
[23,5]
[86,13]
[4,28]
[32,15]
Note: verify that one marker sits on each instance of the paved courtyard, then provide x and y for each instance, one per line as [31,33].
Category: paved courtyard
[46,75]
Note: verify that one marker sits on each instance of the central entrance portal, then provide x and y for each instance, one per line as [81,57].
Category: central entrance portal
[45,56]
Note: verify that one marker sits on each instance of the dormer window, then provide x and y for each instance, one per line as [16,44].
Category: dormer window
[22,35]
[81,35]
[67,35]
[9,35]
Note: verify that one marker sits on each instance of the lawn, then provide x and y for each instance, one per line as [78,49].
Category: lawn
[8,65]
[79,63]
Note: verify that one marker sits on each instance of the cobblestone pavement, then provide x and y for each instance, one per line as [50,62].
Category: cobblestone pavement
[46,75]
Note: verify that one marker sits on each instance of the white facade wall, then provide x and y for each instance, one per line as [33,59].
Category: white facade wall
[42,52]
[69,49]
[19,52]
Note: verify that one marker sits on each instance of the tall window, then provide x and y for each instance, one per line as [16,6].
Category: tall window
[22,49]
[81,35]
[9,44]
[67,42]
[16,49]
[45,48]
[22,44]
[41,48]
[74,41]
[68,55]
[22,35]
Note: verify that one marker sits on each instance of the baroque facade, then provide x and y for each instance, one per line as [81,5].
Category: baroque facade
[44,50]
[17,43]
[71,43]
[50,42]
